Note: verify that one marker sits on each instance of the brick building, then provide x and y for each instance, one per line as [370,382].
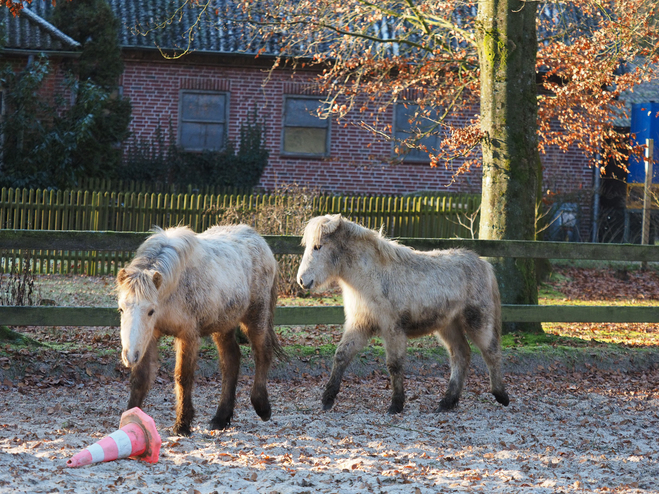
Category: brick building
[205,95]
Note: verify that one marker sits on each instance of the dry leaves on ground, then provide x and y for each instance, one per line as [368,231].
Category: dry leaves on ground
[607,284]
[563,432]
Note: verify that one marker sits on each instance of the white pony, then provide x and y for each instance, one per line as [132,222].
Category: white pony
[398,293]
[188,286]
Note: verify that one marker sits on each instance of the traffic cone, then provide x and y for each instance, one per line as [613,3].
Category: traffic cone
[137,437]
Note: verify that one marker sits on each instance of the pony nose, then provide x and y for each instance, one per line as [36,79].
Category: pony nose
[306,285]
[130,358]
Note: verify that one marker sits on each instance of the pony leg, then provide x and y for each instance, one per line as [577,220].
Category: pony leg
[486,335]
[229,352]
[186,362]
[459,352]
[262,350]
[142,376]
[492,355]
[396,345]
[352,341]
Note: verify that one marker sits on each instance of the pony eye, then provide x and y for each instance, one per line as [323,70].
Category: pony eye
[151,312]
[317,247]
[121,311]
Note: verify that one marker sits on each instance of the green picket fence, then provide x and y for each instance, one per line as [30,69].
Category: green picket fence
[110,185]
[435,216]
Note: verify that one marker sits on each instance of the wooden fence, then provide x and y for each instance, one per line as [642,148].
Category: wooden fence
[427,216]
[113,241]
[110,185]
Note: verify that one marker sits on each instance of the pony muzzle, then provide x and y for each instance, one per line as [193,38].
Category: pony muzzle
[130,358]
[306,285]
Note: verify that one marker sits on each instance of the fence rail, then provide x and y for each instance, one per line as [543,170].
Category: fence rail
[311,315]
[290,244]
[108,316]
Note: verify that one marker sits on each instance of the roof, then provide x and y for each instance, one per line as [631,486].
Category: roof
[215,26]
[29,31]
[195,27]
[214,29]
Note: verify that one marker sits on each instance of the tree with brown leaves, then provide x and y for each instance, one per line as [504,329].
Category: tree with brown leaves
[471,70]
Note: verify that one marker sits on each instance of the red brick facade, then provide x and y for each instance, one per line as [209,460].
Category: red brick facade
[358,161]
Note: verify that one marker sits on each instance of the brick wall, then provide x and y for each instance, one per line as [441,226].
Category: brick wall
[358,162]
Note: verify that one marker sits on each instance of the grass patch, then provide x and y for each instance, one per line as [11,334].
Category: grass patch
[329,299]
[534,340]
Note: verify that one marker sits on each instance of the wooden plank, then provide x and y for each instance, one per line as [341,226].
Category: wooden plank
[289,244]
[576,313]
[540,250]
[300,316]
[70,240]
[282,244]
[59,316]
[289,316]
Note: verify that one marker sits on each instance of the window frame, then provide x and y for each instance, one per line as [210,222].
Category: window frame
[284,126]
[182,121]
[407,157]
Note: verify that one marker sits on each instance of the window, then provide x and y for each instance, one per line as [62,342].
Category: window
[203,118]
[304,133]
[404,129]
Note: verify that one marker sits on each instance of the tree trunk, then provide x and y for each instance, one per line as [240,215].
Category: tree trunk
[507,52]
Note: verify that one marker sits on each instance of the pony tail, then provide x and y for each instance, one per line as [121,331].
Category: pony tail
[498,321]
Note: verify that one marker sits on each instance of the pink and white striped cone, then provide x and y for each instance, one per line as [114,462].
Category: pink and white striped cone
[137,437]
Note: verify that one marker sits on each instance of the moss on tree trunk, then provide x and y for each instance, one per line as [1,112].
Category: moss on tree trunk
[507,52]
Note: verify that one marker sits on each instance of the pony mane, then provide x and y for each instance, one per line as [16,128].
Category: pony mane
[164,252]
[324,226]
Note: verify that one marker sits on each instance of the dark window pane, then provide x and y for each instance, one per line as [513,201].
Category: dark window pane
[403,116]
[214,139]
[192,136]
[203,107]
[202,136]
[404,130]
[301,112]
[305,140]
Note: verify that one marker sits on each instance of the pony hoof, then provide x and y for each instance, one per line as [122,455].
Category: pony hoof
[219,424]
[502,398]
[395,408]
[327,405]
[265,414]
[262,407]
[182,430]
[446,405]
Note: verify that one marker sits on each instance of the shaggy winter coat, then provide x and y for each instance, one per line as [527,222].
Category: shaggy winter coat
[191,285]
[398,293]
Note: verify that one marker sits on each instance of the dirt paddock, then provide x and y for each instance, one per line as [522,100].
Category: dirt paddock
[563,432]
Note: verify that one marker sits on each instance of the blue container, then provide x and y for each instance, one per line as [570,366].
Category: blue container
[644,125]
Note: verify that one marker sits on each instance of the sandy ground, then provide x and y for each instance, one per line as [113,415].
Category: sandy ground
[563,432]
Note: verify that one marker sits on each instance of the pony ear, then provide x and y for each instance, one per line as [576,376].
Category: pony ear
[332,224]
[157,279]
[121,276]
